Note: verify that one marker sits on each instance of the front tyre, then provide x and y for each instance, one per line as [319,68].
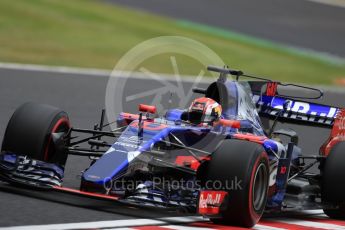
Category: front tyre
[29,132]
[238,160]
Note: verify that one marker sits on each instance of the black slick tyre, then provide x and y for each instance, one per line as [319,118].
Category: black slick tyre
[29,132]
[333,187]
[233,162]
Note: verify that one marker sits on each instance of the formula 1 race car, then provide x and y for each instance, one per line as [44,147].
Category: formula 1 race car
[222,157]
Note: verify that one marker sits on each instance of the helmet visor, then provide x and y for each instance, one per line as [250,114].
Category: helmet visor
[195,117]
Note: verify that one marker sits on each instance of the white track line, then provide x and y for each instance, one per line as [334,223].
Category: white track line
[181,220]
[106,73]
[311,224]
[55,69]
[177,223]
[110,224]
[266,227]
[121,229]
[182,227]
[337,3]
[90,225]
[90,71]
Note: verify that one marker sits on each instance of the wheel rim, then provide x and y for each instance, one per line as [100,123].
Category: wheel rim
[260,187]
[62,125]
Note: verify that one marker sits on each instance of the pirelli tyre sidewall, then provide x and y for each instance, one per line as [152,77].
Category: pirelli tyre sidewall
[333,186]
[238,160]
[29,132]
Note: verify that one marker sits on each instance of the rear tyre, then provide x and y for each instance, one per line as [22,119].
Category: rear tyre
[333,188]
[238,160]
[29,132]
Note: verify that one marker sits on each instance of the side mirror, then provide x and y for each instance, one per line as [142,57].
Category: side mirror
[147,108]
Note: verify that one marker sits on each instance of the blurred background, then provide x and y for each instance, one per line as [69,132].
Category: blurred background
[289,40]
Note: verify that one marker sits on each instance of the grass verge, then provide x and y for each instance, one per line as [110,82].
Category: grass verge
[88,33]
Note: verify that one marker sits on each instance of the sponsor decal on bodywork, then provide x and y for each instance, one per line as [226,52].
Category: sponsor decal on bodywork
[337,133]
[296,110]
[271,89]
[211,201]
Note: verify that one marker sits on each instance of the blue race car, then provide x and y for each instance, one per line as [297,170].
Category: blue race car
[220,157]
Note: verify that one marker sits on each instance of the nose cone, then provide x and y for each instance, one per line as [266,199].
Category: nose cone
[105,168]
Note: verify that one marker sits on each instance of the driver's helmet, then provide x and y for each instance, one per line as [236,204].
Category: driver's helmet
[204,111]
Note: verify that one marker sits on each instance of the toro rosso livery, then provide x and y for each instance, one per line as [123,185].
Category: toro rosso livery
[222,157]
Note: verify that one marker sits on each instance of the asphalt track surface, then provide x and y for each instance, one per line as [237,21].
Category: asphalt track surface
[82,96]
[296,23]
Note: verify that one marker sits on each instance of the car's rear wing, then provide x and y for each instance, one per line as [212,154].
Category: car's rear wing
[270,103]
[292,110]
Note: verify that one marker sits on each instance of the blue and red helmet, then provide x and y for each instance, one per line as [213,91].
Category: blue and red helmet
[204,110]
